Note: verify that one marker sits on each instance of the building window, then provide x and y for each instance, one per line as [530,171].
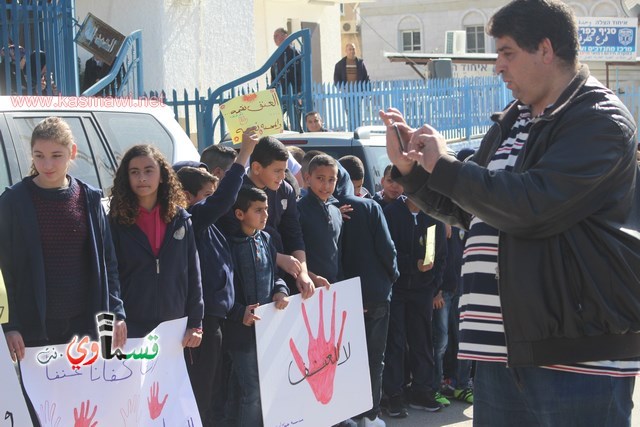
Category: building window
[475,39]
[411,41]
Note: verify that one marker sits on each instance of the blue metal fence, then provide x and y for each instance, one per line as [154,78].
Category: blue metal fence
[126,76]
[28,27]
[294,101]
[459,108]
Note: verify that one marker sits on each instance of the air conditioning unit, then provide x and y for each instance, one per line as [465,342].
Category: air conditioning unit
[349,27]
[455,42]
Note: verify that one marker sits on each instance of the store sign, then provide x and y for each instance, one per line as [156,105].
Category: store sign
[99,38]
[607,39]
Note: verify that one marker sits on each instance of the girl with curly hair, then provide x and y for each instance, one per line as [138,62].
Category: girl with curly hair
[56,252]
[155,245]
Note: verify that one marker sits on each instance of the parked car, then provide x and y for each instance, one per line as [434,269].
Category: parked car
[102,131]
[368,143]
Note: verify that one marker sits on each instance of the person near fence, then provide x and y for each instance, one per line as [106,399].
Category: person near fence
[290,82]
[314,122]
[347,72]
[16,80]
[552,205]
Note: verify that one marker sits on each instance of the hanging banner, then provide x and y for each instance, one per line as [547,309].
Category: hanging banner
[99,38]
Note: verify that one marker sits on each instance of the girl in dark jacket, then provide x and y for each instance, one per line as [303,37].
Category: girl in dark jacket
[56,253]
[155,245]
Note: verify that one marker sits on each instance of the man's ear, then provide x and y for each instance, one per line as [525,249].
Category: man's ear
[546,48]
[239,214]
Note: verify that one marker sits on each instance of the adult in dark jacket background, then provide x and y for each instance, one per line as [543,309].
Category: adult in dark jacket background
[350,68]
[552,205]
[289,82]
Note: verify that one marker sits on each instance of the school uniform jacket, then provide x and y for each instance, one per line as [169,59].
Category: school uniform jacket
[23,267]
[166,287]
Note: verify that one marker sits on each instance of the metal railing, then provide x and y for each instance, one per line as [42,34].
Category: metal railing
[294,93]
[40,32]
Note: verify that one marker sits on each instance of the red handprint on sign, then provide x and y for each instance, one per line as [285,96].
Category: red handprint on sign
[323,354]
[155,407]
[83,419]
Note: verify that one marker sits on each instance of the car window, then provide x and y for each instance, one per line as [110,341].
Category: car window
[376,160]
[124,130]
[83,167]
[106,168]
[4,170]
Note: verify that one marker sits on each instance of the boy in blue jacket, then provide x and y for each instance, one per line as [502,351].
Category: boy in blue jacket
[321,221]
[268,164]
[412,307]
[206,205]
[369,252]
[256,282]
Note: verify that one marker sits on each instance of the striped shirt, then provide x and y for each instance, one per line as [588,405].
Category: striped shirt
[481,329]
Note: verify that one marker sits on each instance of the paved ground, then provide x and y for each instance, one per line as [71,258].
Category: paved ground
[461,415]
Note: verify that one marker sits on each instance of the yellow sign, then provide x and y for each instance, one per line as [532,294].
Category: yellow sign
[260,109]
[430,246]
[4,303]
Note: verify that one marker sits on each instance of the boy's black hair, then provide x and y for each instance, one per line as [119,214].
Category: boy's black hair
[354,166]
[218,156]
[322,160]
[193,179]
[248,195]
[528,22]
[387,170]
[304,166]
[269,150]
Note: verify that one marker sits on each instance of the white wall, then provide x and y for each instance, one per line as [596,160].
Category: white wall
[187,44]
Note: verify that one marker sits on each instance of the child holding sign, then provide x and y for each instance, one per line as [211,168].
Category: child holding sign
[412,305]
[56,252]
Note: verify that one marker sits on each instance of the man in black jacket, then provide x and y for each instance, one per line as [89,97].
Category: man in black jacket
[287,76]
[551,308]
[350,74]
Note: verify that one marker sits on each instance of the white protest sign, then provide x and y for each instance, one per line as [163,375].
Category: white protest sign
[13,408]
[148,388]
[312,358]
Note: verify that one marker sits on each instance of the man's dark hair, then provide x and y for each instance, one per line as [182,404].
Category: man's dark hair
[528,22]
[322,160]
[269,150]
[354,166]
[248,195]
[218,156]
[310,113]
[307,158]
[193,179]
[387,169]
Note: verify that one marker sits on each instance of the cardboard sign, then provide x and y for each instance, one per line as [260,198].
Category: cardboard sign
[4,302]
[99,38]
[313,357]
[13,408]
[261,109]
[70,384]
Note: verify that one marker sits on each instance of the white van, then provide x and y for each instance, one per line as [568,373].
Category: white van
[104,129]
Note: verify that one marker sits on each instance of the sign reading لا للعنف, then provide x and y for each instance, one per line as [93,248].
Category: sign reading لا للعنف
[607,39]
